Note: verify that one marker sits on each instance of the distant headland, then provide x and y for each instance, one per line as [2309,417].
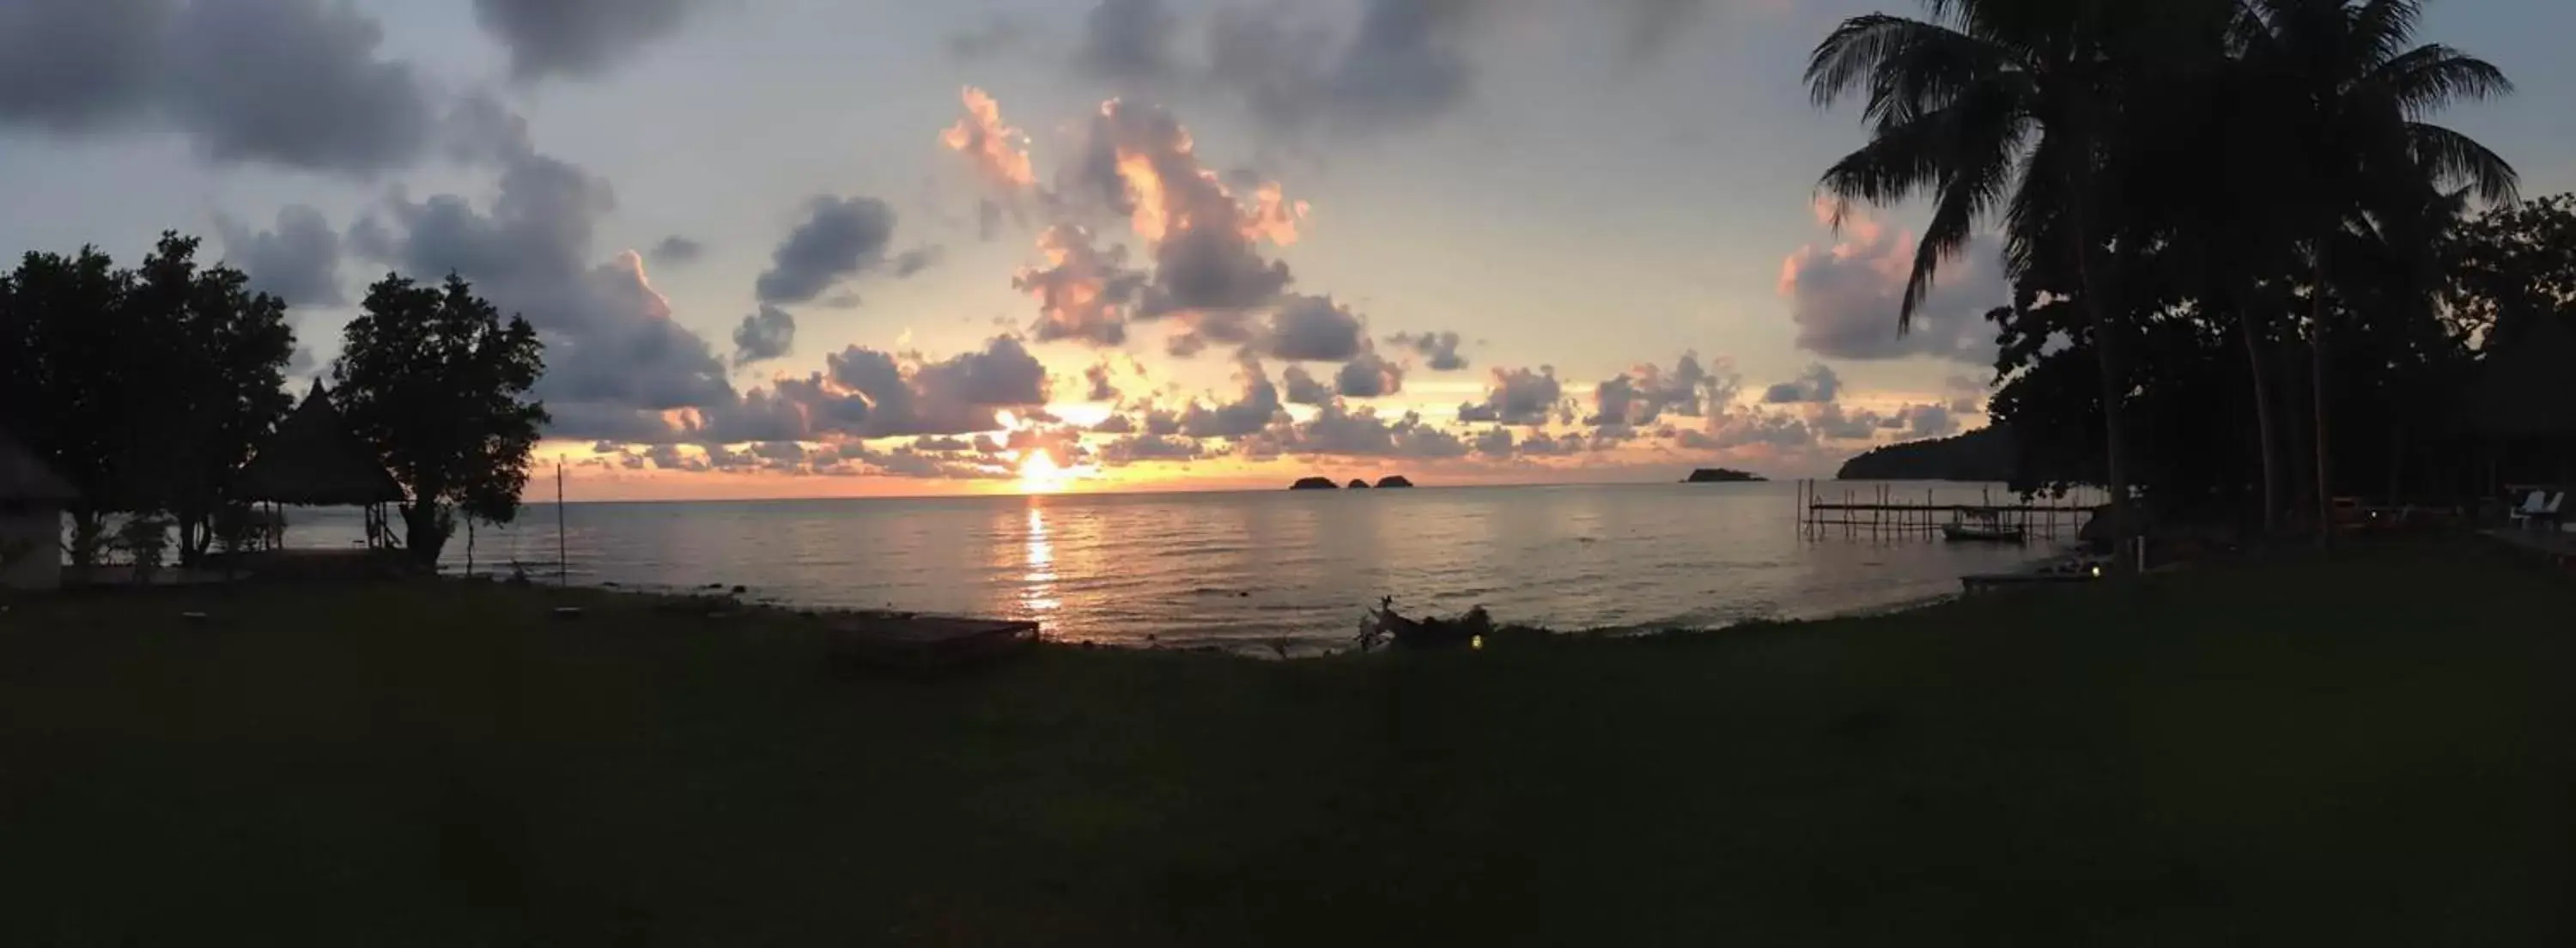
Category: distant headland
[1720,475]
[1314,483]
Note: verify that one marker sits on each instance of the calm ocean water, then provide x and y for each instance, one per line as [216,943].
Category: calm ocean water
[1236,569]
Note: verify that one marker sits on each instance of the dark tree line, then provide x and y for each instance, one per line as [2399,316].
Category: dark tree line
[150,388]
[2245,275]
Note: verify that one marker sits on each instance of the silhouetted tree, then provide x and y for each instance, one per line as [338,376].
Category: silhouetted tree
[439,384]
[60,328]
[204,365]
[2003,109]
[2512,262]
[2346,96]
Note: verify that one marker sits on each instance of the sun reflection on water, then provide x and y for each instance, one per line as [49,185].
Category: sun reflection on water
[1037,586]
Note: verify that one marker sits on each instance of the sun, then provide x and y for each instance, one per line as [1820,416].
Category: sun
[1039,474]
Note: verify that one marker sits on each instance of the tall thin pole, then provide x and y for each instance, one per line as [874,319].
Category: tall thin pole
[563,562]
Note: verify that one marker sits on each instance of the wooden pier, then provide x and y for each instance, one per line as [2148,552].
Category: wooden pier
[1885,512]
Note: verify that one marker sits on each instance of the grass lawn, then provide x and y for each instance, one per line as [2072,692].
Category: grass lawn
[2369,748]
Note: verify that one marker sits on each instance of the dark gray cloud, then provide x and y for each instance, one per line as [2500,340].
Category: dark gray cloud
[1833,422]
[1518,397]
[298,261]
[1845,299]
[764,335]
[1313,329]
[1406,62]
[82,65]
[871,394]
[1303,389]
[576,37]
[839,239]
[1251,413]
[1439,350]
[1368,376]
[1339,431]
[295,83]
[1128,39]
[1152,447]
[675,251]
[615,359]
[1115,425]
[1816,385]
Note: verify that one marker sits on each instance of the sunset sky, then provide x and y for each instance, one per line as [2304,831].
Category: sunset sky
[845,247]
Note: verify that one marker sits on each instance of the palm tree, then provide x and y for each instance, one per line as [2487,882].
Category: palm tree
[2001,108]
[2340,83]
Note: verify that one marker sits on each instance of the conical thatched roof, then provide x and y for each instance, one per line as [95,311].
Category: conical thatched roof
[314,461]
[25,477]
[2529,388]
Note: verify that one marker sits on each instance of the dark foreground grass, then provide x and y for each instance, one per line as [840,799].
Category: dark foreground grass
[2370,748]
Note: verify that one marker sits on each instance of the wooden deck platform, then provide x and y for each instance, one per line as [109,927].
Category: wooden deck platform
[1991,582]
[918,642]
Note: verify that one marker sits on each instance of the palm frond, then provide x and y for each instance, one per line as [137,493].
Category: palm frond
[2454,159]
[2423,80]
[2381,28]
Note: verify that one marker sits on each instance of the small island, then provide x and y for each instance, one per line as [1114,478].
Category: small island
[1720,475]
[1314,483]
[1392,480]
[1359,484]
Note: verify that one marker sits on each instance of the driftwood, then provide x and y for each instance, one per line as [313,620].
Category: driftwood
[1385,623]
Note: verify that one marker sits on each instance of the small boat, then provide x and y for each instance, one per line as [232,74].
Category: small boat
[1982,526]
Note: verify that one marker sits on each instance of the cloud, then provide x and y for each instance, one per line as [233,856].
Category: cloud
[764,335]
[1407,62]
[1102,389]
[1817,384]
[676,250]
[298,261]
[840,238]
[865,393]
[615,359]
[1369,376]
[1928,421]
[998,152]
[1250,414]
[1084,293]
[1303,389]
[1845,298]
[1140,163]
[576,37]
[1151,447]
[1438,349]
[1127,39]
[1115,425]
[1314,329]
[1517,397]
[1645,394]
[1341,431]
[991,39]
[293,83]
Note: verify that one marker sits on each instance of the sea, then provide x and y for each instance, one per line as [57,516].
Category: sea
[1252,571]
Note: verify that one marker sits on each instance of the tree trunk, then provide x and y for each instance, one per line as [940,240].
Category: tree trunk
[423,532]
[2263,422]
[2317,387]
[2106,348]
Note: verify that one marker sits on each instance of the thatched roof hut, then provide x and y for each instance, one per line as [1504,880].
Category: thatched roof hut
[31,518]
[26,479]
[314,461]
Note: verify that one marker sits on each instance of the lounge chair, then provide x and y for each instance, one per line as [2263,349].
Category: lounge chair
[2534,510]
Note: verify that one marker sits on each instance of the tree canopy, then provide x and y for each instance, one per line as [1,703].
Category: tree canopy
[439,383]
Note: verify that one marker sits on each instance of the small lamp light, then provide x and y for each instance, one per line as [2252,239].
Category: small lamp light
[1477,643]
